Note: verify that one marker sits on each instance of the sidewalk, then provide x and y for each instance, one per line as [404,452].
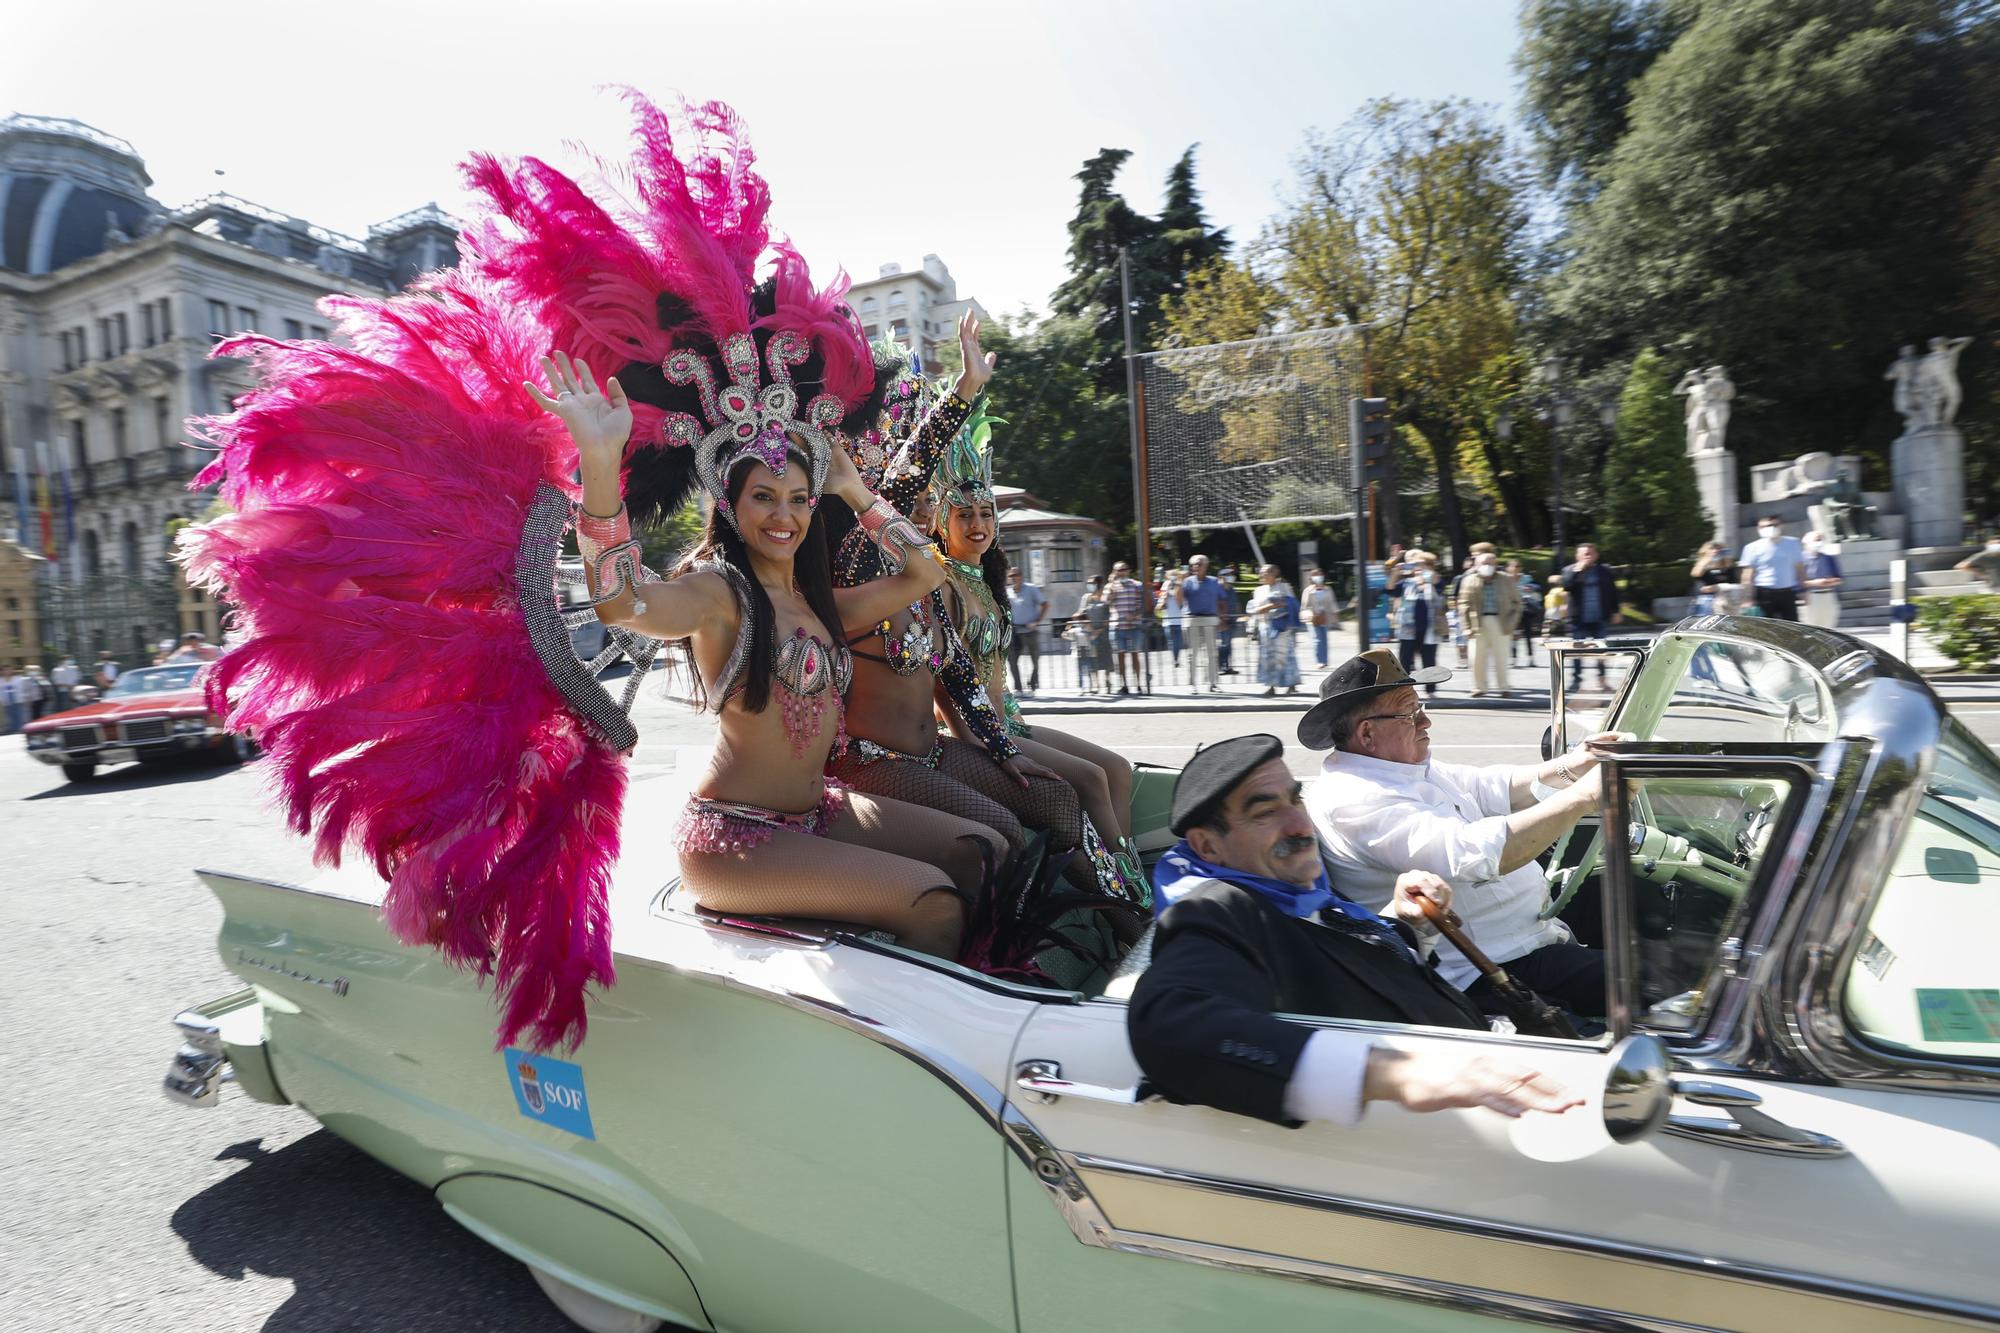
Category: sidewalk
[1528,685]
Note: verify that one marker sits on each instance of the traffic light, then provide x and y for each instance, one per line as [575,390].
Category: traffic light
[1368,432]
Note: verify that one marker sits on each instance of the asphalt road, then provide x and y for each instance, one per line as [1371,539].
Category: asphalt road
[123,1211]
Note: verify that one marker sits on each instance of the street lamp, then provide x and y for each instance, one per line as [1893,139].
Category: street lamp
[1554,406]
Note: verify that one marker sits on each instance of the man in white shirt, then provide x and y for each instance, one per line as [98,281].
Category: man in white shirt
[1774,569]
[1382,806]
[1251,927]
[65,678]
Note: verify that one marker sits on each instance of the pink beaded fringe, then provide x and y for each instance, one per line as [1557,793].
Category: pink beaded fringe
[729,826]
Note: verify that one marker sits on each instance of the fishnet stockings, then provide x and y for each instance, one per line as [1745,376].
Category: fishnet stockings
[912,783]
[884,863]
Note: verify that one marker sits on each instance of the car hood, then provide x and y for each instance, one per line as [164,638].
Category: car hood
[174,703]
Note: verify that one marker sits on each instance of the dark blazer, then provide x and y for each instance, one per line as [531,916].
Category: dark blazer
[1226,961]
[1574,577]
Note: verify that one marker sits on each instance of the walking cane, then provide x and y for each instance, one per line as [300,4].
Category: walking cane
[1531,1013]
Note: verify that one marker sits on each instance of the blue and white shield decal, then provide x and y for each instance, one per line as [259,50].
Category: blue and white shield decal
[550,1090]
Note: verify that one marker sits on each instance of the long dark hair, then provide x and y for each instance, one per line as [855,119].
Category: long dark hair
[993,563]
[811,570]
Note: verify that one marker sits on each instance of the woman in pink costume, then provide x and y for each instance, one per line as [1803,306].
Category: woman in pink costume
[399,508]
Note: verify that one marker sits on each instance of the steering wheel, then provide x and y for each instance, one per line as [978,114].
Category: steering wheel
[1642,813]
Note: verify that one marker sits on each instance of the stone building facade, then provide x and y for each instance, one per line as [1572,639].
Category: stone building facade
[920,310]
[109,304]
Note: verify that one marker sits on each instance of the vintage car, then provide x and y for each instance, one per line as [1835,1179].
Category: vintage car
[795,1127]
[150,713]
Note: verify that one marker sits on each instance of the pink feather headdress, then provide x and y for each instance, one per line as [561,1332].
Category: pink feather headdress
[399,504]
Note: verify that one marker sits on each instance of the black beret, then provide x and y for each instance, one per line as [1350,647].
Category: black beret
[1214,772]
[1374,672]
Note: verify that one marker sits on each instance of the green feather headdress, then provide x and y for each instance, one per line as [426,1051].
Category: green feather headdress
[964,475]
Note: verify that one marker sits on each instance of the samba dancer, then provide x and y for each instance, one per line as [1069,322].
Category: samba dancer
[967,526]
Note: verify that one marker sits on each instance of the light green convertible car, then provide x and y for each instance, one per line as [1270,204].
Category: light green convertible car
[787,1127]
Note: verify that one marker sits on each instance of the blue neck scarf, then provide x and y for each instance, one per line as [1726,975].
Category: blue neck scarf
[1180,871]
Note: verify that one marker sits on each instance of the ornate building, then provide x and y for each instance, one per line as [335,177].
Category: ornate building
[109,303]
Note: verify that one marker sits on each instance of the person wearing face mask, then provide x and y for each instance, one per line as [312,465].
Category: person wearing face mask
[1774,569]
[1985,563]
[1251,928]
[1321,610]
[1822,582]
[1489,606]
[1420,616]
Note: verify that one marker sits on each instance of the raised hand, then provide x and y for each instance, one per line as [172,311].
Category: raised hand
[844,480]
[599,420]
[978,365]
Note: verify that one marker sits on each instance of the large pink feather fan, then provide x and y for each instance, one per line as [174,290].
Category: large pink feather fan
[657,253]
[382,662]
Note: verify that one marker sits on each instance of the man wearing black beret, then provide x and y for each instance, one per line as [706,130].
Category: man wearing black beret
[1250,929]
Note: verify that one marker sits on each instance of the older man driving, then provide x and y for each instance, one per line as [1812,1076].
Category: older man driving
[1382,805]
[1251,929]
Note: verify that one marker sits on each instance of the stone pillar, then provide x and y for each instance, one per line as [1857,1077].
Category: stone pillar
[1929,469]
[1715,478]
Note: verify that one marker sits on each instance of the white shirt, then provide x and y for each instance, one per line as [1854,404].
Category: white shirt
[1377,818]
[1774,561]
[65,674]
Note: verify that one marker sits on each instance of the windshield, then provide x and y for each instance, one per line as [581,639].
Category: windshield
[154,680]
[1701,689]
[1927,975]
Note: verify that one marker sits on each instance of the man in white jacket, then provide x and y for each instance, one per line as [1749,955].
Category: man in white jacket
[1383,806]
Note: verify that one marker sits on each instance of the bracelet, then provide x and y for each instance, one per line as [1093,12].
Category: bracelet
[1563,770]
[610,557]
[596,533]
[895,535]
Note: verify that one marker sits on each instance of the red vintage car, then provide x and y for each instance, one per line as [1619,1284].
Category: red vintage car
[152,713]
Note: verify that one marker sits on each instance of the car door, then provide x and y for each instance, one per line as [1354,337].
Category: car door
[1768,1204]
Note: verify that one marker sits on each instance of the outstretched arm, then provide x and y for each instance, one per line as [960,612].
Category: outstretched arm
[909,473]
[599,422]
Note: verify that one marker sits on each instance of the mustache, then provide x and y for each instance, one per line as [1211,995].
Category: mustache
[1285,847]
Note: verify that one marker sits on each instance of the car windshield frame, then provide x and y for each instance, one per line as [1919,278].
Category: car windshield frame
[140,681]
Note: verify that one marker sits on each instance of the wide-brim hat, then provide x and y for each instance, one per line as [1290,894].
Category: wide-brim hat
[1374,672]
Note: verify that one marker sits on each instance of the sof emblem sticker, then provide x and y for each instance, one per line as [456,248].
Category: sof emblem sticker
[549,1090]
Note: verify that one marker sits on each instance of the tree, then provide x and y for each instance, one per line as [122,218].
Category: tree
[1652,507]
[1786,200]
[1578,61]
[1412,220]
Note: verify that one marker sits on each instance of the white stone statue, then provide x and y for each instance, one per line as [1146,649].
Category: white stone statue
[1709,393]
[1904,373]
[1938,391]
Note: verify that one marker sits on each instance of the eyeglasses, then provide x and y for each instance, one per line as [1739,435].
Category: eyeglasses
[1414,716]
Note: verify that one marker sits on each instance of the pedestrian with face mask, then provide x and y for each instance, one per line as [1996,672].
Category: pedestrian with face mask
[1420,620]
[1489,606]
[1322,611]
[1774,569]
[1822,581]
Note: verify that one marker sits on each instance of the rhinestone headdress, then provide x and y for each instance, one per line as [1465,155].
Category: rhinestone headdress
[965,474]
[907,395]
[748,419]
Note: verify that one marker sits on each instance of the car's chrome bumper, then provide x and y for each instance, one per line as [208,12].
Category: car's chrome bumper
[201,1066]
[222,1042]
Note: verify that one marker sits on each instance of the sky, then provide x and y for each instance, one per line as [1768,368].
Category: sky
[887,132]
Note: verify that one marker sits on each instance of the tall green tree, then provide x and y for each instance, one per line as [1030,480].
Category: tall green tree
[1789,199]
[1413,220]
[1578,62]
[1652,507]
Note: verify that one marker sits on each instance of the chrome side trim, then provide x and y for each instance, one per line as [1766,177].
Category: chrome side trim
[1783,1279]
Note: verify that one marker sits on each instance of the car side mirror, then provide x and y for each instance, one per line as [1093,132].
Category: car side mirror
[1548,742]
[1638,1089]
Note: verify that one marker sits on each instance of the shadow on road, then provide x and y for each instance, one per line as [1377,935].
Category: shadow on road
[365,1248]
[135,777]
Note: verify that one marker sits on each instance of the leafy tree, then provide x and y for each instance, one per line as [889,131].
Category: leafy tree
[1652,507]
[1578,61]
[1790,199]
[1412,220]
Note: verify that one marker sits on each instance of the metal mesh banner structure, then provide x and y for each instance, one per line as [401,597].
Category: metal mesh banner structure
[1251,432]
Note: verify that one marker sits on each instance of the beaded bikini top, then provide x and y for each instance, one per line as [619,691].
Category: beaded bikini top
[983,628]
[806,667]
